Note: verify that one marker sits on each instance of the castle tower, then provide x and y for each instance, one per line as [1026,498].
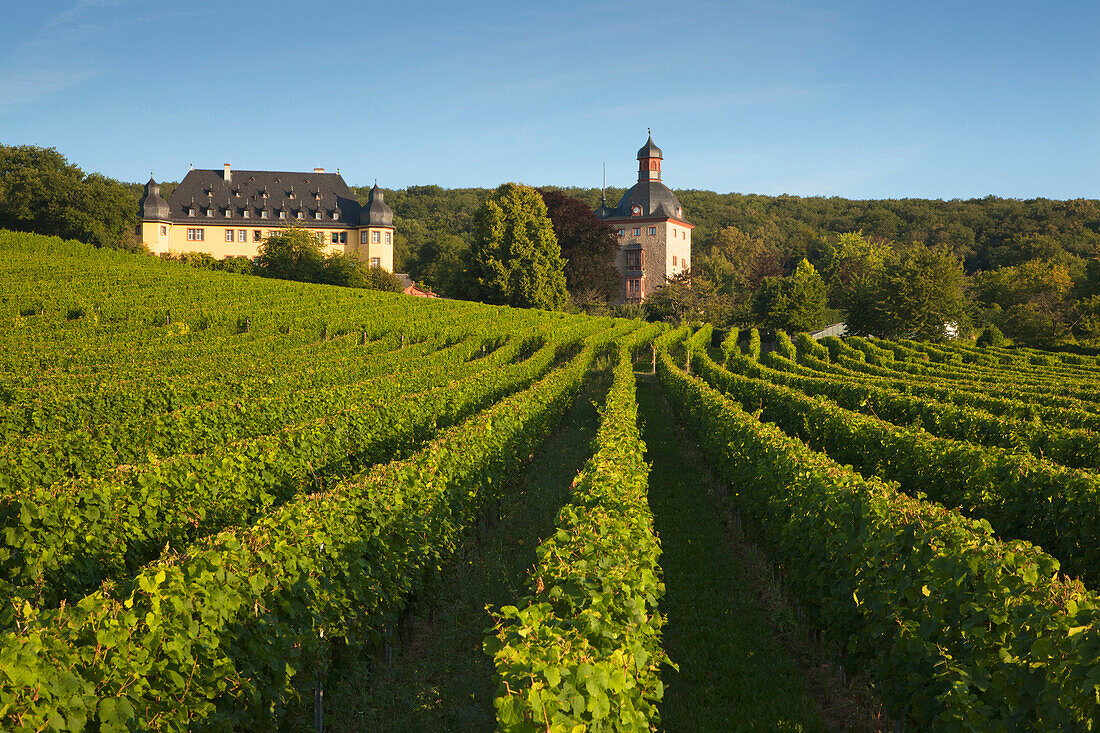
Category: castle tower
[155,227]
[654,237]
[376,231]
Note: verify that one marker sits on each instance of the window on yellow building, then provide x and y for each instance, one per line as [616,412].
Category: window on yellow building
[674,260]
[375,262]
[375,237]
[362,237]
[339,237]
[389,239]
[229,235]
[257,235]
[163,231]
[195,235]
[242,235]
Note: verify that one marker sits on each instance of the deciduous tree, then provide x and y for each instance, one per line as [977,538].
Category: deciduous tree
[292,253]
[794,303]
[588,245]
[515,258]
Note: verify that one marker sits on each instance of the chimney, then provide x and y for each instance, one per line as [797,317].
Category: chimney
[228,176]
[318,170]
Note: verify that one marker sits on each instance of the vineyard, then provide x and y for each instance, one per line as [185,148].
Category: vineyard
[214,489]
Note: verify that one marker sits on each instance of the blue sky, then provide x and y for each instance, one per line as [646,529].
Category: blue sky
[866,99]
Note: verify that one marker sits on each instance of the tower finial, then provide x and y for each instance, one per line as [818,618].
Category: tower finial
[650,131]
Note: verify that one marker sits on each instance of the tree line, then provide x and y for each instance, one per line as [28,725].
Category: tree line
[887,267]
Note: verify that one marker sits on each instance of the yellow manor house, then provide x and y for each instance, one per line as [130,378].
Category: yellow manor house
[229,213]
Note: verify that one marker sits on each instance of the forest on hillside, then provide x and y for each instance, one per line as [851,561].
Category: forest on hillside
[1025,263]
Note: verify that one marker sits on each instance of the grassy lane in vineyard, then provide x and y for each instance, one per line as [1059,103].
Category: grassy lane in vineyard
[733,674]
[438,678]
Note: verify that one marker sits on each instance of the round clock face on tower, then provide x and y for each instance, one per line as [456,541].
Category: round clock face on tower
[636,210]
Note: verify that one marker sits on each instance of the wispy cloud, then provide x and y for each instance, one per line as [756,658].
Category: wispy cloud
[48,62]
[76,12]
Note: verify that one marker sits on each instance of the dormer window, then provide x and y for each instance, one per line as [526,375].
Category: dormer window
[299,215]
[317,215]
[263,213]
[282,214]
[191,211]
[210,211]
[335,214]
[635,210]
[228,213]
[247,214]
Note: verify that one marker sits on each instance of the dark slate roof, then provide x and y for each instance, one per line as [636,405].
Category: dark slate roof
[376,213]
[308,193]
[152,207]
[656,199]
[649,150]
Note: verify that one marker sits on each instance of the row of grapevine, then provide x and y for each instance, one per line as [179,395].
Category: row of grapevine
[1023,496]
[1076,416]
[214,633]
[1071,447]
[959,630]
[582,649]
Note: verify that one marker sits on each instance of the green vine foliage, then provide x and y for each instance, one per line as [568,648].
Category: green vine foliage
[582,651]
[959,630]
[754,344]
[783,345]
[729,343]
[1024,496]
[213,637]
[1071,447]
[995,397]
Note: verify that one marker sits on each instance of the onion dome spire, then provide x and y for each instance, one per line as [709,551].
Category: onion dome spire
[152,207]
[376,213]
[649,161]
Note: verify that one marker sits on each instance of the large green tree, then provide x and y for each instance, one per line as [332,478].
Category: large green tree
[589,247]
[919,292]
[291,253]
[42,192]
[794,303]
[515,258]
